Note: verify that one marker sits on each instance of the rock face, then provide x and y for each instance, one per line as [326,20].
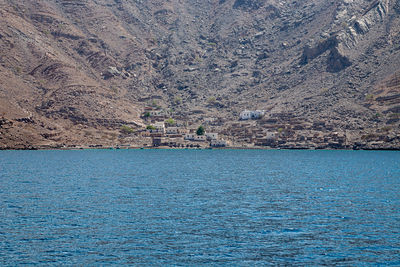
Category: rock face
[248,4]
[78,70]
[396,6]
[309,53]
[335,60]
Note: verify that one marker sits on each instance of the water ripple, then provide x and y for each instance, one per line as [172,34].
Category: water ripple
[169,207]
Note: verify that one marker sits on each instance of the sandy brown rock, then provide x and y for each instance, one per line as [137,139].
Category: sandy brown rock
[73,72]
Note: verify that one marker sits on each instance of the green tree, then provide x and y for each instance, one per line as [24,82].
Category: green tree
[369,97]
[211,100]
[170,121]
[177,100]
[150,127]
[126,129]
[200,130]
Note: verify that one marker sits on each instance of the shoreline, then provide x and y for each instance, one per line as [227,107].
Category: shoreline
[194,148]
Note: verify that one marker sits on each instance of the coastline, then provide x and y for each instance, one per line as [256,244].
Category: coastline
[60,148]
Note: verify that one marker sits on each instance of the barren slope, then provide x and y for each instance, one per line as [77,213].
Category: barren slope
[73,71]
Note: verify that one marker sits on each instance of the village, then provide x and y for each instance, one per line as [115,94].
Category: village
[164,131]
[240,129]
[252,129]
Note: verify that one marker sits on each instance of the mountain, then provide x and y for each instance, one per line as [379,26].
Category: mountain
[72,72]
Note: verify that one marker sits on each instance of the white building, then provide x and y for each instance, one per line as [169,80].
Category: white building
[200,138]
[258,114]
[172,130]
[251,114]
[245,115]
[219,143]
[189,136]
[270,135]
[212,136]
[160,127]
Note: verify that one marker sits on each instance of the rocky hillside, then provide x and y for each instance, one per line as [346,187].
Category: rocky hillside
[72,72]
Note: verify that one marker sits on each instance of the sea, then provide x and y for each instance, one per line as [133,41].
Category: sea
[200,208]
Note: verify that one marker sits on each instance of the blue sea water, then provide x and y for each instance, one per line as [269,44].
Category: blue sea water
[200,207]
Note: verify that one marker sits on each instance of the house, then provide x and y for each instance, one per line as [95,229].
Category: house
[163,141]
[157,113]
[258,114]
[172,130]
[219,143]
[183,131]
[251,114]
[160,127]
[270,135]
[245,115]
[189,136]
[212,136]
[200,138]
[157,141]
